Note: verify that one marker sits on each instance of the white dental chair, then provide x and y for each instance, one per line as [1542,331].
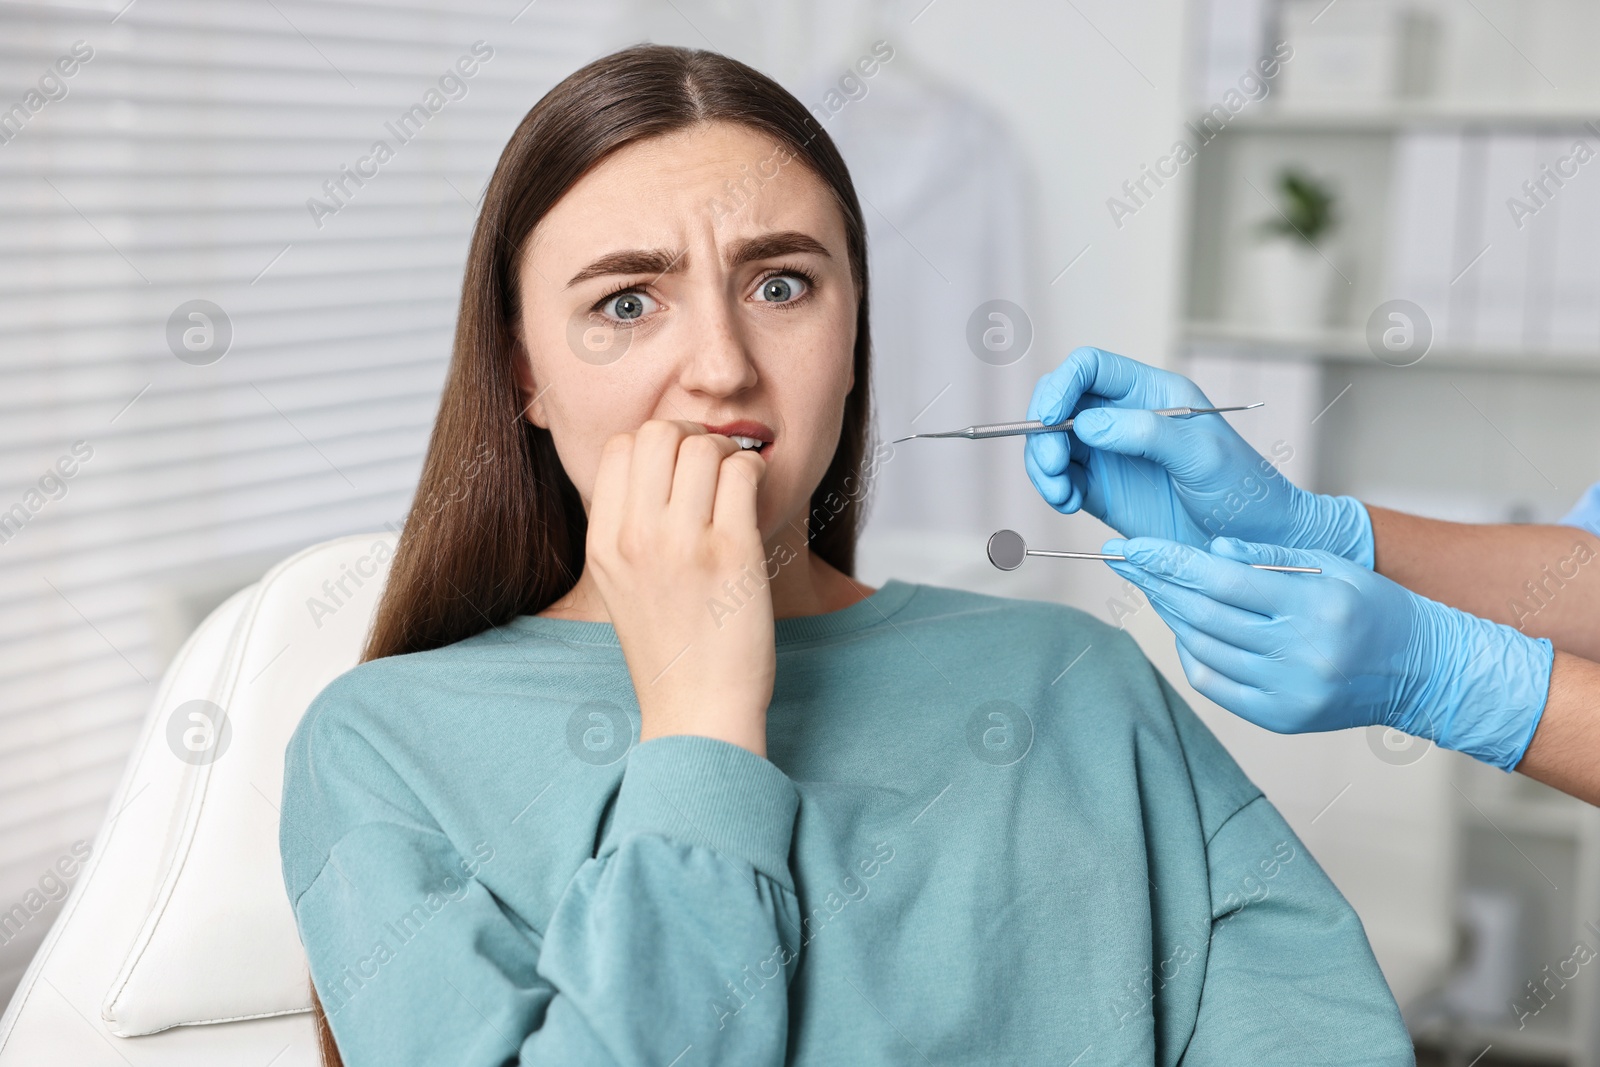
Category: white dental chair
[177,946]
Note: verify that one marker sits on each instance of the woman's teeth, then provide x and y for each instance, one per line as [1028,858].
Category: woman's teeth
[747,442]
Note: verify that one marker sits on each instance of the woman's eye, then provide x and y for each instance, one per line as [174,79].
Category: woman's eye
[625,307]
[781,289]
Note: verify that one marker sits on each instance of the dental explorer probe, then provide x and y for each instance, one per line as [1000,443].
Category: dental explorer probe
[1007,550]
[1016,429]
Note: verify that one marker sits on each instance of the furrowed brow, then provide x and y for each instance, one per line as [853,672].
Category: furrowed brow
[656,261]
[770,245]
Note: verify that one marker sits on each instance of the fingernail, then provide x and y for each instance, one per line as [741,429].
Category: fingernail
[1092,421]
[1229,547]
[1157,559]
[1127,570]
[1138,553]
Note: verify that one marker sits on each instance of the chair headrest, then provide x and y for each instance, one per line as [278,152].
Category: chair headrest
[216,938]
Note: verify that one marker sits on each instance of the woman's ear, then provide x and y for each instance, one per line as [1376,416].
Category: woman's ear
[532,396]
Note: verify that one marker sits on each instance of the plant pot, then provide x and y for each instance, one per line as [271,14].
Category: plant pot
[1287,287]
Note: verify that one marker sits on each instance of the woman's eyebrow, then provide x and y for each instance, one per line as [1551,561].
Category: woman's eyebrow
[657,261]
[768,245]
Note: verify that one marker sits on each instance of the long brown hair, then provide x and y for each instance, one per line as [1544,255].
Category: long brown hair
[496,529]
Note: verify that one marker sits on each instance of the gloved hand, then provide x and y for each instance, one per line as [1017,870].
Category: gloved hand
[1188,480]
[1347,647]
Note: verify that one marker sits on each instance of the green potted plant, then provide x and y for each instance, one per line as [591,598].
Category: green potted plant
[1294,273]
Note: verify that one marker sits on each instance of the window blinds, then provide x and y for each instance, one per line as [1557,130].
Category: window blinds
[225,316]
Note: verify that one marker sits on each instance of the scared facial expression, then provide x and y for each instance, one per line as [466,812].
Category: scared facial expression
[704,276]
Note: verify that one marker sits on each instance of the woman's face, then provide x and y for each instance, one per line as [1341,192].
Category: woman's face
[702,276]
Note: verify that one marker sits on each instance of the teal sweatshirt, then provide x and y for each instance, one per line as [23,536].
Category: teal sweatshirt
[986,831]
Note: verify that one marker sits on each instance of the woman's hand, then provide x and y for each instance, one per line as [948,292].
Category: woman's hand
[672,526]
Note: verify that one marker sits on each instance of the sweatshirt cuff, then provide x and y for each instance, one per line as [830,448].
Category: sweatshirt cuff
[703,791]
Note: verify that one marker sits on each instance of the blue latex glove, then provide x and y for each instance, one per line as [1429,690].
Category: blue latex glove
[1308,652]
[1188,480]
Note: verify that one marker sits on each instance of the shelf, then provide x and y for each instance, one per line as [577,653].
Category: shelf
[1350,346]
[1530,817]
[1539,1040]
[1392,118]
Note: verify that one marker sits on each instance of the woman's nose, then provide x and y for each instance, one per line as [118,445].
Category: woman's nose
[717,361]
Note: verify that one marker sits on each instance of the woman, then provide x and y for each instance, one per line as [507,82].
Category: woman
[857,825]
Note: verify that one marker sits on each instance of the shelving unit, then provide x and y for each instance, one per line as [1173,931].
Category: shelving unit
[1519,833]
[1350,346]
[1415,116]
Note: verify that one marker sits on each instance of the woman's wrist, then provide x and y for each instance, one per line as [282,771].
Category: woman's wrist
[747,730]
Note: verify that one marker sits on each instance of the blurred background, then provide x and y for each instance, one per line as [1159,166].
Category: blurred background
[229,316]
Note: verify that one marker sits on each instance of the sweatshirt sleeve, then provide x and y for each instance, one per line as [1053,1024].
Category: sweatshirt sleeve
[1289,976]
[417,962]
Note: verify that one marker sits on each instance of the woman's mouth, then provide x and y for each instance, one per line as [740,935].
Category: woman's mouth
[749,436]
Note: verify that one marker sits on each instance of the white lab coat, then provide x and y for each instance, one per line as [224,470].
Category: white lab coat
[947,205]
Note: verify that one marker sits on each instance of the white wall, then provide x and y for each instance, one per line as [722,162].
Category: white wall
[1094,89]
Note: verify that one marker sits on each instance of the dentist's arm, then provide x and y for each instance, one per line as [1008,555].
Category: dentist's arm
[1565,752]
[1544,580]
